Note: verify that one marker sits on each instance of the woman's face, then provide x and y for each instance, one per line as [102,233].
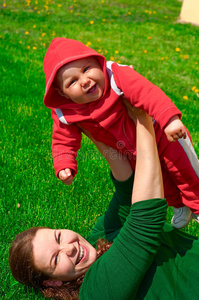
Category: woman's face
[62,254]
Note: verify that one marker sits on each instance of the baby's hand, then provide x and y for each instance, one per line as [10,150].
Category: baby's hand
[175,129]
[66,176]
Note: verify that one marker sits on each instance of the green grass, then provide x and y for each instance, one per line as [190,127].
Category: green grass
[142,33]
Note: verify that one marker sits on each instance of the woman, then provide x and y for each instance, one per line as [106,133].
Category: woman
[144,261]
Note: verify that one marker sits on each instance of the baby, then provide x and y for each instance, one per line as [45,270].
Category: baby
[83,90]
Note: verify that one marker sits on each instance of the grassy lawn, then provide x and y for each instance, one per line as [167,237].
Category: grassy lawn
[143,33]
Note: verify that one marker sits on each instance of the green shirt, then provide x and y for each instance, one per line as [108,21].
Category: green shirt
[146,261]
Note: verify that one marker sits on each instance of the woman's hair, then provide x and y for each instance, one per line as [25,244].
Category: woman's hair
[21,259]
[23,270]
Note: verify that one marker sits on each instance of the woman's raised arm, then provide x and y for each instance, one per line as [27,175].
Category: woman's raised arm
[148,183]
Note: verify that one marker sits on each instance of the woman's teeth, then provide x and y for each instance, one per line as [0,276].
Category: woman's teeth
[81,254]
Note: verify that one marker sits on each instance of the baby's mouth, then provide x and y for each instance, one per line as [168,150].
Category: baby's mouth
[92,89]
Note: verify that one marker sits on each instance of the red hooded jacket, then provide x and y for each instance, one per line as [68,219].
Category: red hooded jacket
[107,118]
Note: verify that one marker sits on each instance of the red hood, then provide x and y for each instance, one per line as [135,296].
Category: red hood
[60,52]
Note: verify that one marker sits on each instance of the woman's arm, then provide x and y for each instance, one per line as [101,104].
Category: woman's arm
[122,268]
[148,181]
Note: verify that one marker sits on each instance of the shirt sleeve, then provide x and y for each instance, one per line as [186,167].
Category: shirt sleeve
[145,95]
[119,272]
[66,141]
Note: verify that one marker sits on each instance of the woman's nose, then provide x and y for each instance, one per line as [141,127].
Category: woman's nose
[69,249]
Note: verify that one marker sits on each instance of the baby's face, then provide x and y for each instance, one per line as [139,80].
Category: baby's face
[81,80]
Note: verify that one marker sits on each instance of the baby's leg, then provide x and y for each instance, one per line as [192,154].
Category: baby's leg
[180,162]
[119,163]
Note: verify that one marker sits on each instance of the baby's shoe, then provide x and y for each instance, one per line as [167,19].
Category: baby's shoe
[196,217]
[182,217]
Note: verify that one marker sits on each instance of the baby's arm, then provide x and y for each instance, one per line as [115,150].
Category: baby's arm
[143,94]
[66,141]
[66,176]
[174,129]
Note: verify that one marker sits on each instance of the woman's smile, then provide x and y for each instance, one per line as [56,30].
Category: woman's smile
[62,254]
[82,254]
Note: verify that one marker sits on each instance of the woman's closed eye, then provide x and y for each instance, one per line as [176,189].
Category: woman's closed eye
[56,259]
[58,239]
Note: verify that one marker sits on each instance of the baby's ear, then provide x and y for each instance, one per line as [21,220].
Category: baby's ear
[62,93]
[52,282]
